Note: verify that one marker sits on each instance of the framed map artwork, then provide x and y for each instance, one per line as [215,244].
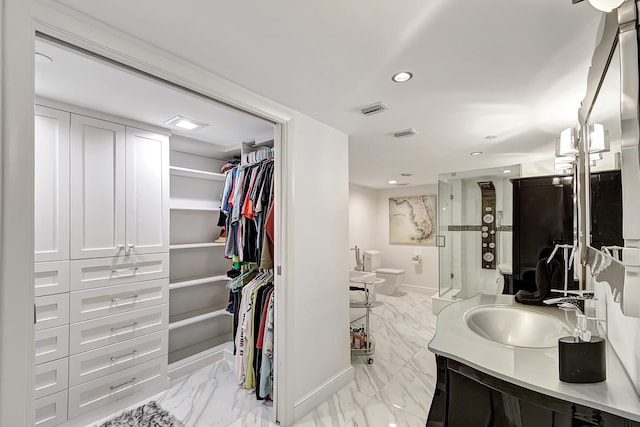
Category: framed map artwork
[412,220]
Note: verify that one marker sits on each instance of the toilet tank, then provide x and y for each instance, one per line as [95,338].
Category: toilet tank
[372,260]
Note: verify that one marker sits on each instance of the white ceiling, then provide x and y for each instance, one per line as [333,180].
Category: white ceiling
[85,81]
[511,68]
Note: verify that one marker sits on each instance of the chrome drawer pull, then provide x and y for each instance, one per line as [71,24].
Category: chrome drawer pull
[122,298]
[125,326]
[124,355]
[113,387]
[121,270]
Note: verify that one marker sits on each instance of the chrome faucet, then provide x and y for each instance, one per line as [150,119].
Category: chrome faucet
[359,260]
[582,331]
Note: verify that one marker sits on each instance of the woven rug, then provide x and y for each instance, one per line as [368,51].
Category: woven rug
[149,415]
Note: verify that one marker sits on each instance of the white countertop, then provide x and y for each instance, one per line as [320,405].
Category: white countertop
[533,368]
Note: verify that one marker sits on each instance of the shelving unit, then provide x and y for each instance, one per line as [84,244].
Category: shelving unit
[198,321]
[196,173]
[195,245]
[197,281]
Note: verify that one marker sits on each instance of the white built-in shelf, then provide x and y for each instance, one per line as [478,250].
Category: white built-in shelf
[196,173]
[195,316]
[195,281]
[200,354]
[195,246]
[193,206]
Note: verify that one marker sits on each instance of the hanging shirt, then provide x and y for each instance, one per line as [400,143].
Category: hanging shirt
[266,368]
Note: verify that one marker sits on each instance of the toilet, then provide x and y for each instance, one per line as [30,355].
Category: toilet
[393,277]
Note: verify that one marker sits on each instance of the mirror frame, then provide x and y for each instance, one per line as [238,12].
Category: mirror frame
[619,30]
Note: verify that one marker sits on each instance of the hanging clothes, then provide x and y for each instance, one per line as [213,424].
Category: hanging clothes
[248,203]
[250,334]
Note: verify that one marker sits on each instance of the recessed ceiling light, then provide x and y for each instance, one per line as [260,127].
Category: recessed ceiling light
[41,58]
[393,182]
[402,76]
[491,137]
[185,123]
[506,171]
[476,153]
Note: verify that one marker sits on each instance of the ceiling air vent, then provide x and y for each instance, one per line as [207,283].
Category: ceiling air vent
[405,133]
[369,110]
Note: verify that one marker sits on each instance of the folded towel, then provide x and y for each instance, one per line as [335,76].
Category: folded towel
[548,276]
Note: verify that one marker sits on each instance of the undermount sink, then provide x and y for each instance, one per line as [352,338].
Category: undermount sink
[514,326]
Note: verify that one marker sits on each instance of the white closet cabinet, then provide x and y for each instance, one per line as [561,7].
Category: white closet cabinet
[51,184]
[147,189]
[97,188]
[119,189]
[102,292]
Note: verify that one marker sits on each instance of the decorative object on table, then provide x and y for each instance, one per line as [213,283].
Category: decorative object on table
[412,220]
[147,415]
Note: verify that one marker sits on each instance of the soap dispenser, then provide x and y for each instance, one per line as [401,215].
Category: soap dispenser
[581,357]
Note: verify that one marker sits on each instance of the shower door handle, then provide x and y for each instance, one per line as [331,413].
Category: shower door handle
[441,240]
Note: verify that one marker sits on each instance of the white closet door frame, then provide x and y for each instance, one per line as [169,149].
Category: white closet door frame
[20,18]
[147,189]
[51,241]
[97,190]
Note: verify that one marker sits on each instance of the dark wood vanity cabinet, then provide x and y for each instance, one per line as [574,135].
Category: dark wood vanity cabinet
[466,397]
[542,217]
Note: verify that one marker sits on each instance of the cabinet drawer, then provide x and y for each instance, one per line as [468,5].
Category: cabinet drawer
[90,395]
[51,278]
[97,272]
[94,364]
[100,332]
[51,344]
[51,410]
[52,311]
[52,377]
[98,302]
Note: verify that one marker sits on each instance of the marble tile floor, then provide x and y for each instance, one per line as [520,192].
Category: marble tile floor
[396,390]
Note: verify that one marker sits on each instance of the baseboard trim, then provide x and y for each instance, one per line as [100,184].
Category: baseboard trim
[303,406]
[183,367]
[419,289]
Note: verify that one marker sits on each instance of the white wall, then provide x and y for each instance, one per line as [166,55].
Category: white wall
[399,256]
[363,218]
[539,168]
[16,214]
[318,228]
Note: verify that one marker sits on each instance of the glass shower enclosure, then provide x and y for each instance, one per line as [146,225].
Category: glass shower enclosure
[474,231]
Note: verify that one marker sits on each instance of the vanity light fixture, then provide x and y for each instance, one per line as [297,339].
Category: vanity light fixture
[185,123]
[562,163]
[566,144]
[606,5]
[598,138]
[392,182]
[476,153]
[402,76]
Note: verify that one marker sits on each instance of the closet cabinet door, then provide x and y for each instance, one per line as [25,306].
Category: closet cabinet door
[97,188]
[147,189]
[51,242]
